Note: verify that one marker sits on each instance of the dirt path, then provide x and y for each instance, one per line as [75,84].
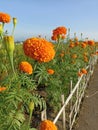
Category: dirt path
[88,116]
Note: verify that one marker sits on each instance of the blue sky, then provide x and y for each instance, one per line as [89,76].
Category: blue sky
[40,17]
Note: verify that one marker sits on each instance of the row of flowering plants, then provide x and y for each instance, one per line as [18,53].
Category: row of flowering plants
[35,74]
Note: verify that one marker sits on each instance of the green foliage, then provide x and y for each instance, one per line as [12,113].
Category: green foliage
[15,101]
[21,88]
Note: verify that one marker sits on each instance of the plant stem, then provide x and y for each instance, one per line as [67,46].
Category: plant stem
[29,119]
[10,55]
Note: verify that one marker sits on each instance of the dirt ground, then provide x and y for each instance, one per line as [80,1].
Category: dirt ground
[88,116]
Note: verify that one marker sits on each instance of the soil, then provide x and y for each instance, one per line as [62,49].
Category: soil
[88,116]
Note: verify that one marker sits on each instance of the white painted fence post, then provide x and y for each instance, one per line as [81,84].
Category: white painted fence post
[63,116]
[70,92]
[43,115]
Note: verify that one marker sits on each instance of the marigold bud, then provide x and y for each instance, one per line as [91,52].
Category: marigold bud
[31,106]
[50,71]
[14,21]
[9,43]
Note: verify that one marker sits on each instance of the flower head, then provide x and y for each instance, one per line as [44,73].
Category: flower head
[84,71]
[4,18]
[50,71]
[26,67]
[91,42]
[47,125]
[59,32]
[39,49]
[84,45]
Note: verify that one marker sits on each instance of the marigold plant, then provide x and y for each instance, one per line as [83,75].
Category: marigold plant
[26,67]
[47,125]
[39,49]
[4,17]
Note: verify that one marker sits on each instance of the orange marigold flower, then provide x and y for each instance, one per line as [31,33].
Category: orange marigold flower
[59,31]
[84,71]
[50,71]
[5,18]
[84,45]
[91,42]
[48,125]
[26,67]
[39,49]
[2,89]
